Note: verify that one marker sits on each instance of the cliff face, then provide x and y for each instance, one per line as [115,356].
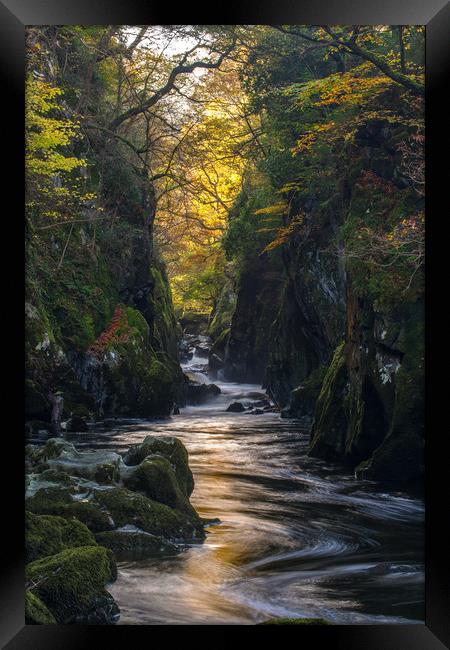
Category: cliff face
[105,339]
[346,344]
[100,325]
[370,409]
[248,345]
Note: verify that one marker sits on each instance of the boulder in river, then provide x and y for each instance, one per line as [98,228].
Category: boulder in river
[200,393]
[130,540]
[36,613]
[62,503]
[71,584]
[129,508]
[202,351]
[170,448]
[47,535]
[236,407]
[155,478]
[77,424]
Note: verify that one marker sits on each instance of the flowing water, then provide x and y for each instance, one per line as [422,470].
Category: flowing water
[297,537]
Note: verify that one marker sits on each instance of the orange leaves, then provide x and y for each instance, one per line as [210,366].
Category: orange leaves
[284,234]
[116,332]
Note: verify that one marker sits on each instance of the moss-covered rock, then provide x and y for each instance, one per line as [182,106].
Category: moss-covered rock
[136,543]
[46,535]
[36,613]
[330,418]
[59,501]
[156,479]
[126,507]
[97,465]
[172,449]
[53,448]
[71,584]
[304,398]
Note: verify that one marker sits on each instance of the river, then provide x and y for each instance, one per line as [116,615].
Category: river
[297,537]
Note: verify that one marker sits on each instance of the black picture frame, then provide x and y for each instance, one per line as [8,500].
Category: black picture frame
[435,14]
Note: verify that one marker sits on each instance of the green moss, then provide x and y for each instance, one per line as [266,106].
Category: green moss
[46,535]
[133,543]
[304,397]
[71,584]
[155,478]
[330,419]
[172,449]
[400,457]
[55,476]
[58,501]
[127,507]
[221,341]
[36,613]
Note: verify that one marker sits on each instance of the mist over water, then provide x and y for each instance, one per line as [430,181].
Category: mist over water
[297,537]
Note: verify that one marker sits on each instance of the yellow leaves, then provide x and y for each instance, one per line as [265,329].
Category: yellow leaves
[47,135]
[307,140]
[284,234]
[276,208]
[52,186]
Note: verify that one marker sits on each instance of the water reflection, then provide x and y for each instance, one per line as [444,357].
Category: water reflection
[296,538]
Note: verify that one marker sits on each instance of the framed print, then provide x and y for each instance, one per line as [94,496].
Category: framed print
[227,335]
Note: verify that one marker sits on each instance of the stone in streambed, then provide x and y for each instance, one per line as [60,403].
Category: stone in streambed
[236,407]
[215,362]
[198,393]
[47,535]
[156,479]
[36,613]
[60,502]
[99,465]
[129,508]
[170,448]
[202,351]
[134,542]
[77,424]
[71,584]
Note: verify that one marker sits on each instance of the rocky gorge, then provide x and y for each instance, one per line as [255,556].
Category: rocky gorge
[224,290]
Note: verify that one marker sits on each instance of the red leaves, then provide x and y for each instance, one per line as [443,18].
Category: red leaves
[111,334]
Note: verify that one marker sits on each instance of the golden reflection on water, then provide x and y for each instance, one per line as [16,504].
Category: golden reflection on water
[295,538]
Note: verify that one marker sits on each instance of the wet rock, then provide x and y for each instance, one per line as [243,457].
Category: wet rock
[98,465]
[77,424]
[60,502]
[71,585]
[236,407]
[215,362]
[155,478]
[202,351]
[129,508]
[200,393]
[35,427]
[135,542]
[256,395]
[170,448]
[47,535]
[36,613]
